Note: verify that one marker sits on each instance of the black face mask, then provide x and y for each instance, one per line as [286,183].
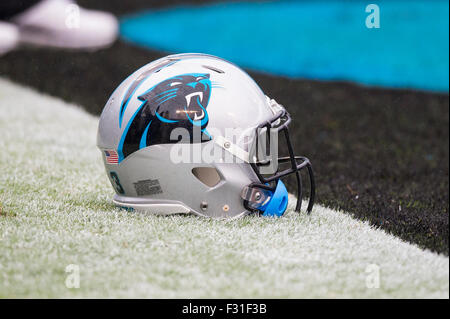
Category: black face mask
[268,183]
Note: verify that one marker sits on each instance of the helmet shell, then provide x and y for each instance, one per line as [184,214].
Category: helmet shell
[214,97]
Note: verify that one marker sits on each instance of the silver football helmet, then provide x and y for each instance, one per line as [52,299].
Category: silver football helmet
[193,133]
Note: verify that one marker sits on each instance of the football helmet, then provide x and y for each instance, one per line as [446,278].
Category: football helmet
[193,133]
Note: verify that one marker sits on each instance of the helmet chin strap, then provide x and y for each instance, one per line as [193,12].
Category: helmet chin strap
[269,201]
[278,203]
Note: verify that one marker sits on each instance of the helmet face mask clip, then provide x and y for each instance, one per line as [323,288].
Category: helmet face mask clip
[210,173]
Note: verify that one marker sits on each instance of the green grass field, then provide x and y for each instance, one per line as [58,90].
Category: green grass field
[56,211]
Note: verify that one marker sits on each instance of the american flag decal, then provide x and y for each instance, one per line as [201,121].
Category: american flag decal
[111,157]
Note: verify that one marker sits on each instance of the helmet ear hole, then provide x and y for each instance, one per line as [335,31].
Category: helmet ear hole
[207,175]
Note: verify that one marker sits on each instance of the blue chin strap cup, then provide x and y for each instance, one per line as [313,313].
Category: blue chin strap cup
[278,203]
[265,199]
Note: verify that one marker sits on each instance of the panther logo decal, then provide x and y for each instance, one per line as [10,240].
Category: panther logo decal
[179,101]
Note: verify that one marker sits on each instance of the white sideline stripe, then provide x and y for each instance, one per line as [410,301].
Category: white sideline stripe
[53,182]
